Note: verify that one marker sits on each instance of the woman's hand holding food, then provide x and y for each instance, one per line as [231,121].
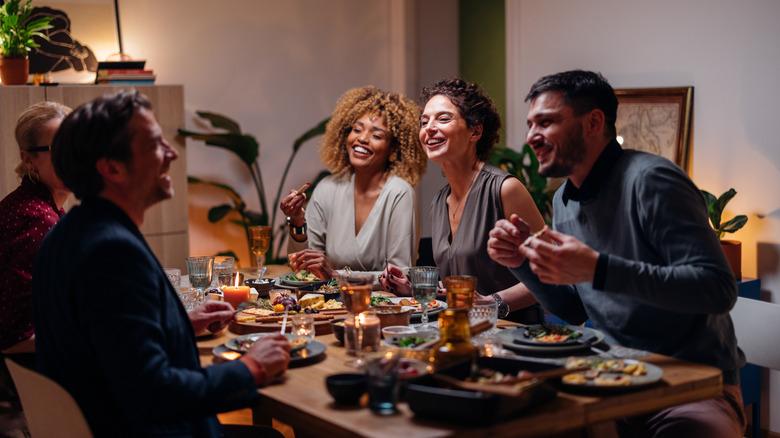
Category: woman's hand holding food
[313,261]
[292,205]
[394,280]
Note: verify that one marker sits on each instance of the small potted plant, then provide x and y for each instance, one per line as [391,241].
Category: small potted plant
[731,248]
[16,39]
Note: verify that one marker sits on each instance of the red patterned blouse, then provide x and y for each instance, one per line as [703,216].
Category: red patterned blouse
[26,215]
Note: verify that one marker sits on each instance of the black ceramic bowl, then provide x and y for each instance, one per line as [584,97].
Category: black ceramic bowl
[261,285]
[346,388]
[337,325]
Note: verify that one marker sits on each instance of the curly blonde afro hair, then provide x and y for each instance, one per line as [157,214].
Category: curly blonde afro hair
[407,159]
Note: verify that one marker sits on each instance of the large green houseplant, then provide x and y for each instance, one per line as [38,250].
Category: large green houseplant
[17,32]
[230,137]
[731,248]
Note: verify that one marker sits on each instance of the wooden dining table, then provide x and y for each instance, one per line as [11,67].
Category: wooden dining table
[301,400]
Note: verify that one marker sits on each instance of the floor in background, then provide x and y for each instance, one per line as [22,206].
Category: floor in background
[244,416]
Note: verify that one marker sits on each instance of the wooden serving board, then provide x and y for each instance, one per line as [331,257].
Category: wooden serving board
[321,326]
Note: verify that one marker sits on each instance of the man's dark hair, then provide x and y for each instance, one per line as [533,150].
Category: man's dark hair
[95,130]
[474,105]
[583,91]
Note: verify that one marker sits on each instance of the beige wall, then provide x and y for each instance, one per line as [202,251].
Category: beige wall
[728,50]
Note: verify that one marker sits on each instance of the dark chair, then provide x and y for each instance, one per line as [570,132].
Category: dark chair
[425,252]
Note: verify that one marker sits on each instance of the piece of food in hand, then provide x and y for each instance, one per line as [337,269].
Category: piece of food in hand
[311,300]
[536,235]
[302,188]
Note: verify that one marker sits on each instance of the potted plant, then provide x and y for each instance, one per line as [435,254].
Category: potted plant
[731,248]
[16,39]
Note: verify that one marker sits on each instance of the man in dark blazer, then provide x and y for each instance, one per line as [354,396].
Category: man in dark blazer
[109,325]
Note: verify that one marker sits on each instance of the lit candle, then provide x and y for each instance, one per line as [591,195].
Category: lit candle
[236,294]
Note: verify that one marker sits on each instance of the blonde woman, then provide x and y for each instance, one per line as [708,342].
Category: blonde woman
[363,215]
[29,212]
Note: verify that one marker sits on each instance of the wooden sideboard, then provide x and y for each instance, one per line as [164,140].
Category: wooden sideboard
[165,224]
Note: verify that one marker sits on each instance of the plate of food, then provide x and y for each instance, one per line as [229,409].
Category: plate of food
[301,279]
[552,335]
[610,375]
[302,350]
[522,341]
[435,306]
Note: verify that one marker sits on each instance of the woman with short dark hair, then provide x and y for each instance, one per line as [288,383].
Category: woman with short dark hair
[458,128]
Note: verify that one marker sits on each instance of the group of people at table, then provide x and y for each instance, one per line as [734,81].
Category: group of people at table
[630,248]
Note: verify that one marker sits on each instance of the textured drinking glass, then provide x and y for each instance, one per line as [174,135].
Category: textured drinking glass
[356,295]
[460,290]
[261,240]
[200,270]
[383,383]
[484,312]
[174,276]
[303,326]
[190,297]
[223,270]
[425,281]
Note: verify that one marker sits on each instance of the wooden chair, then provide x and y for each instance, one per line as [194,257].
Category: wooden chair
[49,409]
[752,319]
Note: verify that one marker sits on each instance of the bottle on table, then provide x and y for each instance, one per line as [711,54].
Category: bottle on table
[454,344]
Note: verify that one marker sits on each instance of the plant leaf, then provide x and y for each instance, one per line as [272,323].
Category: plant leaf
[734,224]
[256,218]
[318,129]
[711,201]
[220,121]
[720,204]
[220,211]
[243,145]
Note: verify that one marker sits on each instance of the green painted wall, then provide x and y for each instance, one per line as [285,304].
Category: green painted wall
[482,49]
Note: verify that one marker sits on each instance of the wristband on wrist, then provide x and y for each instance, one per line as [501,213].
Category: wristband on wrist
[296,231]
[503,308]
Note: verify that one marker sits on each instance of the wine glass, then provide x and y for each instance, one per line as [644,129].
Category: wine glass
[425,280]
[261,240]
[200,270]
[356,294]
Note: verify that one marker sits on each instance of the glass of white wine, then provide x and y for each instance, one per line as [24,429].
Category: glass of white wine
[356,294]
[261,241]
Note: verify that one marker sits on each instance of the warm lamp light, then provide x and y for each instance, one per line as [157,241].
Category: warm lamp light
[121,56]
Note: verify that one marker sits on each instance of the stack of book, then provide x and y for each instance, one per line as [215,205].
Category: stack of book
[124,73]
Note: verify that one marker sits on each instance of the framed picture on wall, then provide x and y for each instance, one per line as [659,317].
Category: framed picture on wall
[656,120]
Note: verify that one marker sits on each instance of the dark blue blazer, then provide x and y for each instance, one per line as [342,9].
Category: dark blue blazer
[112,331]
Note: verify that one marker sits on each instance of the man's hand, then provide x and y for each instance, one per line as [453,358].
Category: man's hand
[268,358]
[213,315]
[394,280]
[505,240]
[313,261]
[557,258]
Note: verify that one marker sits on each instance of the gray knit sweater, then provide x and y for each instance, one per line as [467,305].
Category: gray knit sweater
[662,283]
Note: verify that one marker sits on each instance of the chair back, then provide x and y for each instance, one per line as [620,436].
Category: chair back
[753,322]
[49,409]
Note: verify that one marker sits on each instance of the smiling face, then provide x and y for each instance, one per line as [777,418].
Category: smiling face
[444,133]
[556,135]
[368,143]
[147,172]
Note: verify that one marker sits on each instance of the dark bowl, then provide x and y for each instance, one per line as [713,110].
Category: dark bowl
[261,285]
[337,325]
[346,388]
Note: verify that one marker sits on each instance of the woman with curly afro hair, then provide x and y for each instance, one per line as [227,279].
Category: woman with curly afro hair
[458,128]
[363,215]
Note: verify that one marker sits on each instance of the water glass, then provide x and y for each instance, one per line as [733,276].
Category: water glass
[174,276]
[488,345]
[484,312]
[425,281]
[223,270]
[190,297]
[460,290]
[200,270]
[383,383]
[303,326]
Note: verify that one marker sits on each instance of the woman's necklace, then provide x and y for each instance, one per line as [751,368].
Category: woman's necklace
[462,202]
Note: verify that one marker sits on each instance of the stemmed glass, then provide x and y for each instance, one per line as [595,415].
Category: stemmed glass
[356,294]
[261,240]
[200,270]
[425,280]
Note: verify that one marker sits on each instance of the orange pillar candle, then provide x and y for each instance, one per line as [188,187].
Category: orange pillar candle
[235,295]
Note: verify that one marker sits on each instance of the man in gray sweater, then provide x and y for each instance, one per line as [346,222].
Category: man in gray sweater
[630,249]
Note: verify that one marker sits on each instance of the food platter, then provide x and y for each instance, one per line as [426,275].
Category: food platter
[610,375]
[274,324]
[515,340]
[434,307]
[301,280]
